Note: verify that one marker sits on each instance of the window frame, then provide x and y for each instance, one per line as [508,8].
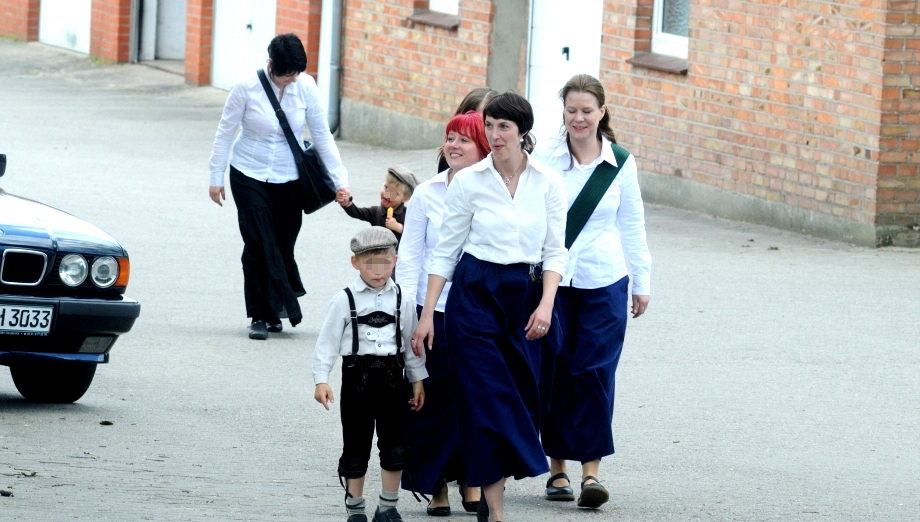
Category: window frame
[666,43]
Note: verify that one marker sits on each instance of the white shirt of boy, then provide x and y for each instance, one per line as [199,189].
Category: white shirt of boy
[335,335]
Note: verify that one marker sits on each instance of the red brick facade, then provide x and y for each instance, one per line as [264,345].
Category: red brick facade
[19,19]
[814,107]
[807,113]
[110,30]
[416,69]
[199,35]
[898,195]
[303,18]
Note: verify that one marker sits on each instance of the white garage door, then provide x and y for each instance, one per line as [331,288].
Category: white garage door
[65,23]
[242,30]
[565,39]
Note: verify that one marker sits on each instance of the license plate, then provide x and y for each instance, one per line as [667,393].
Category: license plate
[34,320]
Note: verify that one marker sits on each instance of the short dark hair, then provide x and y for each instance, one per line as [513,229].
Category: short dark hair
[287,55]
[513,107]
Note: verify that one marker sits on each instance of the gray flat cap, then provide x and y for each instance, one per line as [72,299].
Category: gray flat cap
[404,176]
[373,238]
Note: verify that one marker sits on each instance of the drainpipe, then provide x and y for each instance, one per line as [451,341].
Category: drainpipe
[330,68]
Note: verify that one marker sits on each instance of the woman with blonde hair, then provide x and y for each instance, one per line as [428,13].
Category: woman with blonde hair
[605,235]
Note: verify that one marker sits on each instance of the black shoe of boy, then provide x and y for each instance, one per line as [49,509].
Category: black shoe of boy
[390,515]
[357,518]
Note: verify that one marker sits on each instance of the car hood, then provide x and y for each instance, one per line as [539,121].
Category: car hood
[24,222]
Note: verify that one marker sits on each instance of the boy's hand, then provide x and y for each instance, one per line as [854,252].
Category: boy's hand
[394,225]
[323,394]
[418,399]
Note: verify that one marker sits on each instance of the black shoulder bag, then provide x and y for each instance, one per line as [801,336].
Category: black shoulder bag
[318,187]
[591,194]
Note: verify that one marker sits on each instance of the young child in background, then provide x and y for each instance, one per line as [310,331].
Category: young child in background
[397,188]
[370,324]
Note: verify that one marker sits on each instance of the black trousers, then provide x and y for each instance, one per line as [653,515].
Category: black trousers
[270,216]
[373,392]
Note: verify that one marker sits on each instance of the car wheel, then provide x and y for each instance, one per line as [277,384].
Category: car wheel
[53,382]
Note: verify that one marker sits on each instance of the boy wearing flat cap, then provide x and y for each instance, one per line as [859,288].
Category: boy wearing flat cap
[370,324]
[397,188]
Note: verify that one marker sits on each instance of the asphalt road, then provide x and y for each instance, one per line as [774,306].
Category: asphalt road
[774,377]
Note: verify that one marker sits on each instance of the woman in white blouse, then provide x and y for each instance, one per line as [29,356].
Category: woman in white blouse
[433,431]
[264,179]
[501,244]
[608,253]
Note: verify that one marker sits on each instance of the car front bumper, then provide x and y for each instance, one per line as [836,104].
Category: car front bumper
[82,329]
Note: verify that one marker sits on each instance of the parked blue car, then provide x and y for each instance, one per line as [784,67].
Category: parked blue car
[62,303]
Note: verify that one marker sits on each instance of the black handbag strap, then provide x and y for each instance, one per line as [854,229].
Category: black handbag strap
[282,119]
[591,194]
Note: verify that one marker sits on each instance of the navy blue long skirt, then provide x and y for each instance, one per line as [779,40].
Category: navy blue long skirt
[432,432]
[496,370]
[592,322]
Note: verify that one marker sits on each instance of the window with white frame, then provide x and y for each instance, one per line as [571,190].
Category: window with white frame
[670,27]
[445,6]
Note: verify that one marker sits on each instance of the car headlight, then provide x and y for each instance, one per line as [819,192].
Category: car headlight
[73,269]
[104,271]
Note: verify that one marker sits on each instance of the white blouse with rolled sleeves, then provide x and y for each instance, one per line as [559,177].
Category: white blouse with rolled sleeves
[612,244]
[482,219]
[261,150]
[420,236]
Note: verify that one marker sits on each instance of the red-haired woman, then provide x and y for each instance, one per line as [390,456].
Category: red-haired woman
[433,431]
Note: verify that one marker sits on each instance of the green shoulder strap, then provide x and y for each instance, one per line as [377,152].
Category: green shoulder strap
[591,194]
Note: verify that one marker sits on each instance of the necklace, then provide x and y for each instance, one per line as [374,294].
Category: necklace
[507,179]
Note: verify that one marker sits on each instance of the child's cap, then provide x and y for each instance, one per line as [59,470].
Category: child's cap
[404,176]
[373,238]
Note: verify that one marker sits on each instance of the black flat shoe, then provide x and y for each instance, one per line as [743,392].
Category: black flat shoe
[258,330]
[593,495]
[440,511]
[564,493]
[274,327]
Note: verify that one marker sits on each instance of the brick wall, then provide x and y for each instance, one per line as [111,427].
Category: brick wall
[303,18]
[110,30]
[413,69]
[782,102]
[898,193]
[199,20]
[19,19]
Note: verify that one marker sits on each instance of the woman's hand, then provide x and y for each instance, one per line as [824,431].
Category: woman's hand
[343,197]
[418,396]
[639,304]
[424,334]
[217,194]
[539,322]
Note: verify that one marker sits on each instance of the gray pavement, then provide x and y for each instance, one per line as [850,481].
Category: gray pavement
[774,377]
